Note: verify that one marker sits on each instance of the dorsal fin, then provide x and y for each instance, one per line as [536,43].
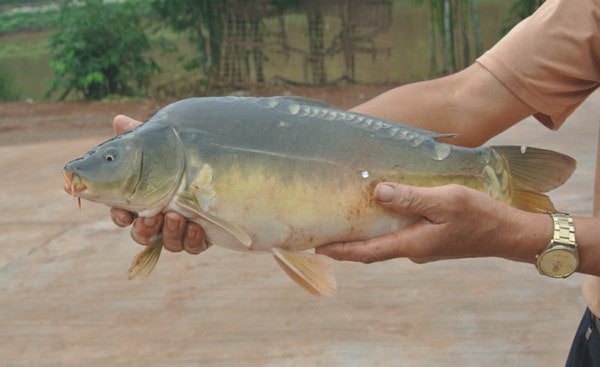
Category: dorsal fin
[308,101]
[307,107]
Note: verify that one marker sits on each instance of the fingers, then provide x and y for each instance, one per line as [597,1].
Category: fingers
[433,210]
[194,241]
[399,198]
[123,124]
[437,205]
[403,199]
[146,228]
[177,233]
[121,218]
[408,242]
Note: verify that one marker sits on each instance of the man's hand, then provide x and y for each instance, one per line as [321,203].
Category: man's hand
[178,234]
[455,222]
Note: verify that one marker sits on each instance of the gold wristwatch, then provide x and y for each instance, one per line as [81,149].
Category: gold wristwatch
[560,258]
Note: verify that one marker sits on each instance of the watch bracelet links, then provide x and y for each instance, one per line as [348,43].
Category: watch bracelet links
[564,231]
[563,234]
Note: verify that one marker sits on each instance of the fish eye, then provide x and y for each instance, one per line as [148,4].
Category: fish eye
[109,157]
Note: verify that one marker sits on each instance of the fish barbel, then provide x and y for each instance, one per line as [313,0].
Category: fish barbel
[286,174]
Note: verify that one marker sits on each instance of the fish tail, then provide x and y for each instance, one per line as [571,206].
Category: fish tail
[533,172]
[144,262]
[310,271]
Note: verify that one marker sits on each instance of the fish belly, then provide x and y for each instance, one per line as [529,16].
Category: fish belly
[301,210]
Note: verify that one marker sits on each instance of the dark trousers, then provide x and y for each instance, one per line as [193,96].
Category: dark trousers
[585,351]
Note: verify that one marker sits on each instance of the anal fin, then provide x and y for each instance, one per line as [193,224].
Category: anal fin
[144,262]
[310,271]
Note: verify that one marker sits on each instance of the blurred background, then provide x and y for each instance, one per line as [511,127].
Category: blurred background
[68,67]
[97,50]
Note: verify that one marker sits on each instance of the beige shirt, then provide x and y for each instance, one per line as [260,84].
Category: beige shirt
[551,61]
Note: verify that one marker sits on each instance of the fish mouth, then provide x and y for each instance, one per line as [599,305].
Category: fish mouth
[73,185]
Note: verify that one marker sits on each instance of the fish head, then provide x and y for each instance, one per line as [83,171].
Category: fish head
[138,171]
[108,173]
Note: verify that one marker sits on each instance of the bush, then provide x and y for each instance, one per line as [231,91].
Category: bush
[7,88]
[100,50]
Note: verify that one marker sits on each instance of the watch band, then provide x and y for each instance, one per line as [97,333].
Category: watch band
[564,229]
[560,259]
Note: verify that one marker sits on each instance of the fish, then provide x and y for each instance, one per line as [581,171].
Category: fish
[284,175]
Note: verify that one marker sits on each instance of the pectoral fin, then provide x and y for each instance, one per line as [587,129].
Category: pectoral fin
[310,271]
[144,262]
[238,233]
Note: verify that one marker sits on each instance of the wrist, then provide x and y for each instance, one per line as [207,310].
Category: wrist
[560,258]
[529,235]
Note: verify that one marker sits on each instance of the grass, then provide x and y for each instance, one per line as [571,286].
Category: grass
[24,45]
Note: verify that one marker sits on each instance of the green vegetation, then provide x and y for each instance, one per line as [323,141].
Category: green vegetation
[8,92]
[22,2]
[100,50]
[33,21]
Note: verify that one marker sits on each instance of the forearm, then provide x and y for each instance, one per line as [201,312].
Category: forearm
[528,234]
[471,103]
[425,105]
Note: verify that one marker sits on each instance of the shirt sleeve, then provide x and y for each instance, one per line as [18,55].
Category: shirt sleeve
[551,60]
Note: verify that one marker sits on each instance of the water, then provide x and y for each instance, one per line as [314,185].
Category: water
[25,58]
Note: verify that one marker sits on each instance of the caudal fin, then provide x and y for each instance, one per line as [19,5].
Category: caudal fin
[533,172]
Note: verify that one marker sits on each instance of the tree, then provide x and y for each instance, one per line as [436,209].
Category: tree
[519,10]
[226,33]
[453,30]
[100,50]
[203,20]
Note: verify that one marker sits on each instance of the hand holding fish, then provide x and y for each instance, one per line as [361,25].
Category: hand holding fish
[456,222]
[178,234]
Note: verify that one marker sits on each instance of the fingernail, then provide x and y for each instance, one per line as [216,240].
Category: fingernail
[385,193]
[149,221]
[173,224]
[119,219]
[191,232]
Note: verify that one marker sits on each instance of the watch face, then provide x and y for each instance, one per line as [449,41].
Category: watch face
[558,262]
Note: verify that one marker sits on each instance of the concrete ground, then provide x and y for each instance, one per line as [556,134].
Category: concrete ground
[65,299]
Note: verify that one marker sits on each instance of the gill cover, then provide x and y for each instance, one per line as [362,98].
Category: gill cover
[162,167]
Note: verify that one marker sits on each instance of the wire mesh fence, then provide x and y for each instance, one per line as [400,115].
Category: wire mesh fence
[318,43]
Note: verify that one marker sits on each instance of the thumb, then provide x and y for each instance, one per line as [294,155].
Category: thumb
[406,199]
[123,124]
